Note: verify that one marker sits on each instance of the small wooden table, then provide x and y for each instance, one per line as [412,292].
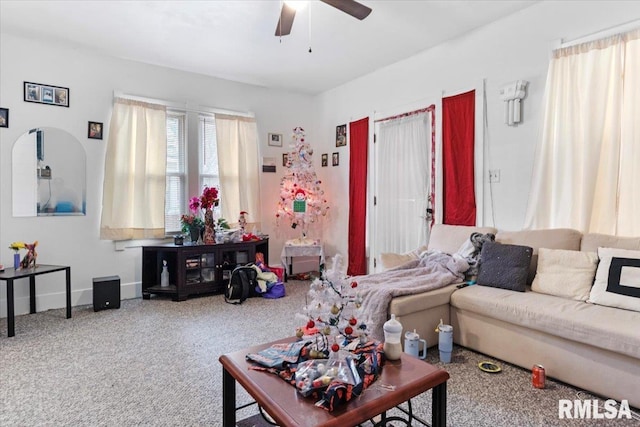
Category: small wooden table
[409,377]
[290,251]
[10,274]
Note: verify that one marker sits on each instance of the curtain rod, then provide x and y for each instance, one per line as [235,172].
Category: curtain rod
[182,106]
[607,32]
[410,113]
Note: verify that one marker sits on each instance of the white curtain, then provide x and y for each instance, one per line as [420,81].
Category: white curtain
[402,183]
[628,221]
[238,164]
[135,169]
[585,173]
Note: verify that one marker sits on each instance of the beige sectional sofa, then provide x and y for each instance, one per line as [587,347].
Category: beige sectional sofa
[593,347]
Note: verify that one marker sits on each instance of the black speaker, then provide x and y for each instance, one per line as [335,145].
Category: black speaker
[106,292]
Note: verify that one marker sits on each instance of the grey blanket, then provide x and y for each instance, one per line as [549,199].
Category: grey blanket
[432,270]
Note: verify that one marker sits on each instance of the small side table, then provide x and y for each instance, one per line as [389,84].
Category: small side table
[292,249]
[10,274]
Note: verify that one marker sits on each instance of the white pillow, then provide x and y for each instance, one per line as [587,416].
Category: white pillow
[565,273]
[617,279]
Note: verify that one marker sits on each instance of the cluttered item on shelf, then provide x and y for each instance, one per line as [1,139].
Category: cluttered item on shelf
[316,374]
[343,385]
[29,260]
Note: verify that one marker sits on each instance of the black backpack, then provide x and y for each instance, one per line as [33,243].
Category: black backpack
[241,284]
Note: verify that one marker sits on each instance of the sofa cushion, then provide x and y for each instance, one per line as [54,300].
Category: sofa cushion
[448,238]
[592,241]
[557,238]
[504,266]
[567,274]
[604,327]
[617,281]
[407,304]
[391,260]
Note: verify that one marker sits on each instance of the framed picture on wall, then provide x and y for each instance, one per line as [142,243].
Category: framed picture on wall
[325,160]
[341,135]
[268,164]
[275,139]
[46,94]
[94,130]
[335,159]
[285,159]
[4,117]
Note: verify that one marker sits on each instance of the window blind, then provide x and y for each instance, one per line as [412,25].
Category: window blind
[209,172]
[175,190]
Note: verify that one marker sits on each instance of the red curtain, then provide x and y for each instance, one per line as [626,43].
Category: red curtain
[359,135]
[458,127]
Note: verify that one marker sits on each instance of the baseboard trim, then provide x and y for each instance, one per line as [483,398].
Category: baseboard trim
[55,300]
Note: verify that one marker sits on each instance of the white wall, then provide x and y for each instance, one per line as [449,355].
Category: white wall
[517,47]
[92,78]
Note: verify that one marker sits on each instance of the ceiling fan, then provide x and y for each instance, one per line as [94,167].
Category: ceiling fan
[351,7]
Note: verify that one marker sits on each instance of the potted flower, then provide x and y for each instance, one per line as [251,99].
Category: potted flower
[206,201]
[16,246]
[192,225]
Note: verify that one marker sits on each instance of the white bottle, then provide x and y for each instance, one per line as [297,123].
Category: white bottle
[392,333]
[164,277]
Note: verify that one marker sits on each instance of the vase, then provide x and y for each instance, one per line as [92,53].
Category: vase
[16,260]
[194,234]
[209,229]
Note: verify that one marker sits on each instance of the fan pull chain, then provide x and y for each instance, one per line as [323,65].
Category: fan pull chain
[280,20]
[310,26]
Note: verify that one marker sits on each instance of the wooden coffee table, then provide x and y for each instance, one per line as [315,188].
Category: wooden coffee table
[408,376]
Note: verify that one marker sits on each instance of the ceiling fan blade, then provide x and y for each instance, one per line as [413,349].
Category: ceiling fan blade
[351,7]
[286,20]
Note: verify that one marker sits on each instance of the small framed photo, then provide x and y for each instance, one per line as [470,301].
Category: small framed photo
[94,130]
[4,117]
[46,94]
[341,135]
[285,159]
[335,159]
[268,164]
[325,160]
[275,139]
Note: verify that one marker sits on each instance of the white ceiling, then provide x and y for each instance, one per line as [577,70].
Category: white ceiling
[235,40]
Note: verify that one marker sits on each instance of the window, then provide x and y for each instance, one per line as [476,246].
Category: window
[175,195]
[208,154]
[182,183]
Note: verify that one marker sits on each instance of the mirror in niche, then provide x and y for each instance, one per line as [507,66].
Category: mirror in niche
[49,174]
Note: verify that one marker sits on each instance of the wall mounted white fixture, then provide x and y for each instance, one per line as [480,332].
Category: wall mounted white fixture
[511,94]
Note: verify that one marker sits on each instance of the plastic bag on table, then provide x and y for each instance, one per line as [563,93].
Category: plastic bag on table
[314,375]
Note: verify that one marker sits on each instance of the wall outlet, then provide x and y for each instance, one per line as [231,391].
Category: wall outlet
[494,175]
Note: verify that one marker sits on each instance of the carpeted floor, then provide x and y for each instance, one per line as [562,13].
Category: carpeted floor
[155,363]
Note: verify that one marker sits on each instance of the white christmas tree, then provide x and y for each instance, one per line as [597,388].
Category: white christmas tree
[302,200]
[333,312]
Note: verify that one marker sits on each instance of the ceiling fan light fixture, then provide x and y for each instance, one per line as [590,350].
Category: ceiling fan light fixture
[296,4]
[289,8]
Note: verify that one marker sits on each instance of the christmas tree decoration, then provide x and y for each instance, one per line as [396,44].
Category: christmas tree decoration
[302,200]
[333,317]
